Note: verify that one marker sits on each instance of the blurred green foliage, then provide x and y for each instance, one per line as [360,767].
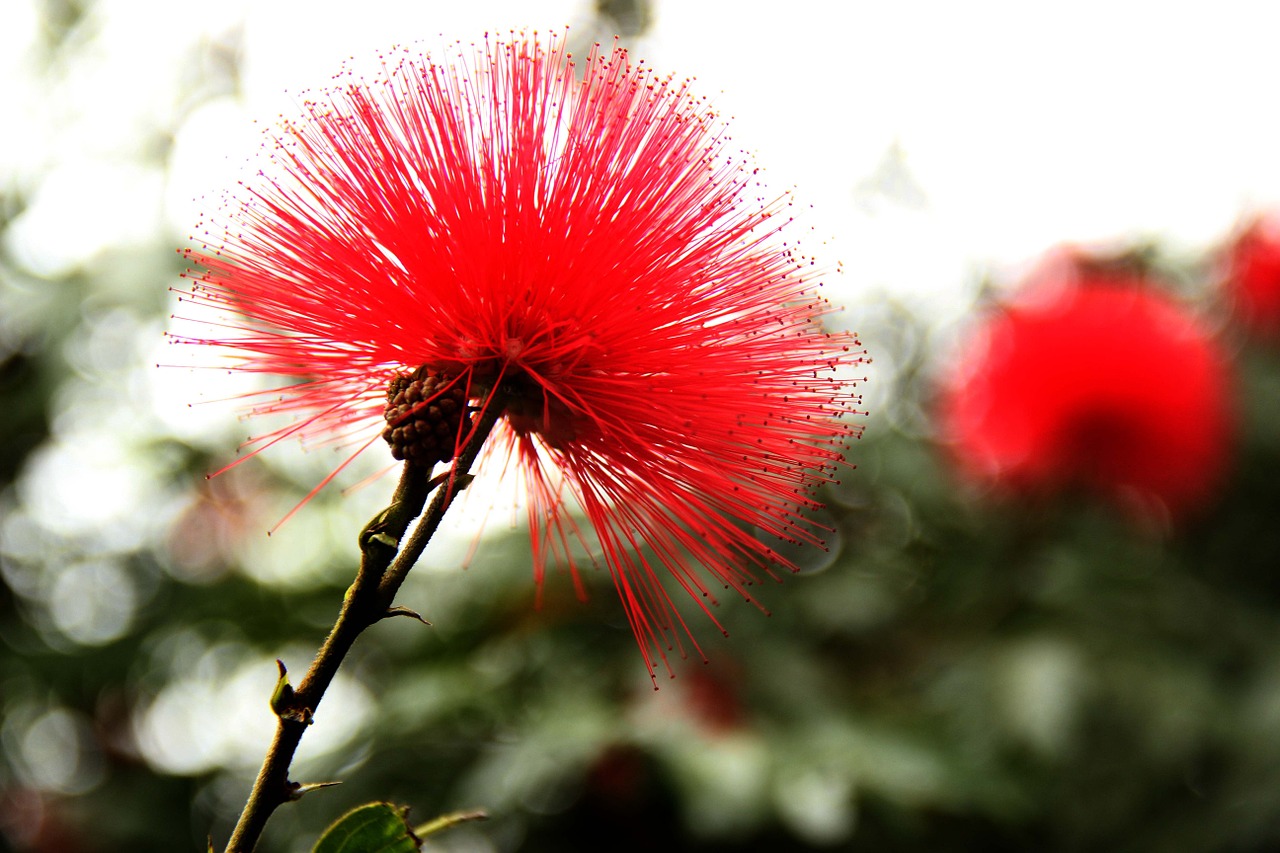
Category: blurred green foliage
[959,675]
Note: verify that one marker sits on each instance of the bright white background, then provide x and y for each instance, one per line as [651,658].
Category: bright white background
[930,137]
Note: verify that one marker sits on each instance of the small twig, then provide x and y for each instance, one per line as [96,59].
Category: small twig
[383,568]
[448,821]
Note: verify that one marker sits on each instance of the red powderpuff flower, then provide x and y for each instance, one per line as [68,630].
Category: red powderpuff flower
[1092,379]
[1252,274]
[586,245]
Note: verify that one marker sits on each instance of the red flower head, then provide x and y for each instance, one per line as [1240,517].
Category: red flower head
[1252,272]
[585,254]
[1095,379]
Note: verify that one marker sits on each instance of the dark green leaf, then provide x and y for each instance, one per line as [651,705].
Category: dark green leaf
[371,828]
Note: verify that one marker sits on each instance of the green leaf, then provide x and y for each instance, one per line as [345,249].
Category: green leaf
[371,828]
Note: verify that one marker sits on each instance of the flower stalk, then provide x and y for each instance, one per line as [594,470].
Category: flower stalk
[384,565]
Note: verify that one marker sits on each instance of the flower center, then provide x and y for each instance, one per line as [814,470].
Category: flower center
[530,409]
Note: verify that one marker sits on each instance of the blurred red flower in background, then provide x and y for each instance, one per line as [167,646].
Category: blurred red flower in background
[587,245]
[1252,275]
[1093,378]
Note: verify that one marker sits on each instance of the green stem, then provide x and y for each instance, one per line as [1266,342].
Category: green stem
[383,568]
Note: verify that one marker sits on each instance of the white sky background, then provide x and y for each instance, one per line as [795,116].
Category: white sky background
[930,137]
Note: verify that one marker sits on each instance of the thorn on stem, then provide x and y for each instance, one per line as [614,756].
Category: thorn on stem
[297,791]
[399,610]
[460,483]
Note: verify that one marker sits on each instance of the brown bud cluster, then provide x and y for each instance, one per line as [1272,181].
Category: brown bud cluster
[424,416]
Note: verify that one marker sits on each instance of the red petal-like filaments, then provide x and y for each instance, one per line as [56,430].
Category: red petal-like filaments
[588,243]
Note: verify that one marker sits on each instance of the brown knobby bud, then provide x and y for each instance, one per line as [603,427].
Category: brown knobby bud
[424,415]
